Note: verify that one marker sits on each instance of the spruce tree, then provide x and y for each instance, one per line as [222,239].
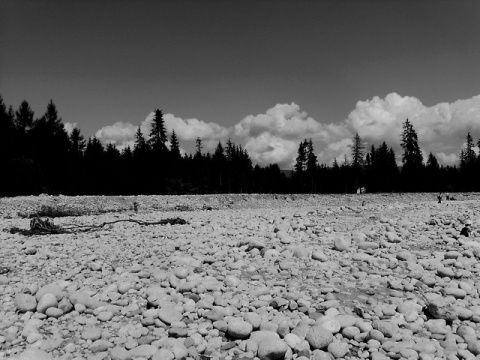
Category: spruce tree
[158,133]
[358,151]
[175,147]
[412,156]
[311,166]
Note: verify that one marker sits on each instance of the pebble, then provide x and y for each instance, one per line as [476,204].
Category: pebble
[260,283]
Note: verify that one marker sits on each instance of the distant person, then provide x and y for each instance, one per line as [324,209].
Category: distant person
[447,196]
[439,198]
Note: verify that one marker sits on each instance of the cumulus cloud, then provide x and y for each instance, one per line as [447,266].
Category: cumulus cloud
[122,134]
[69,127]
[273,137]
[440,128]
[450,159]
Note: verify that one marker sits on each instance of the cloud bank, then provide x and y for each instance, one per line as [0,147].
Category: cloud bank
[273,136]
[122,134]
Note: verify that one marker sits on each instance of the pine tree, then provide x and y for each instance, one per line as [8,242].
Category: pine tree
[301,161]
[311,166]
[412,159]
[432,162]
[412,156]
[358,149]
[469,153]
[141,147]
[219,162]
[24,117]
[175,146]
[77,144]
[158,133]
[198,147]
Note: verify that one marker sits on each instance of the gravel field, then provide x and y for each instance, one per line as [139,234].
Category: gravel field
[268,277]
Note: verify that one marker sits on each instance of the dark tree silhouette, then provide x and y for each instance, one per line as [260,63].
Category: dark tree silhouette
[412,159]
[358,154]
[37,155]
[311,166]
[175,147]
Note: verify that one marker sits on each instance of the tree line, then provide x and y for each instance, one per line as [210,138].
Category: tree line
[37,155]
[376,169]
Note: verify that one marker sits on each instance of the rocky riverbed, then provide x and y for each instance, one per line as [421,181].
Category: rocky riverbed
[248,277]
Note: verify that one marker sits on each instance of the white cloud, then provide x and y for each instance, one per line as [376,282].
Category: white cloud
[440,128]
[335,150]
[446,159]
[270,149]
[119,134]
[69,127]
[275,135]
[123,133]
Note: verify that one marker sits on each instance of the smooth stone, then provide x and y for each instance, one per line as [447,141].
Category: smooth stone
[319,256]
[340,244]
[329,323]
[119,353]
[91,333]
[35,354]
[440,308]
[318,337]
[25,302]
[169,315]
[46,301]
[100,345]
[271,349]
[338,349]
[239,329]
[145,351]
[54,312]
[50,289]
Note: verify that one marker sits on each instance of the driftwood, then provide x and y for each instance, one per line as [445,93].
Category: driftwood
[40,226]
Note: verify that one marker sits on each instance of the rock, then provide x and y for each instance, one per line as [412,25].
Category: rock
[239,329]
[320,256]
[387,328]
[254,319]
[92,333]
[169,315]
[50,289]
[100,345]
[120,353]
[368,245]
[338,349]
[35,354]
[79,297]
[46,301]
[25,302]
[163,354]
[329,323]
[145,351]
[440,308]
[340,244]
[54,312]
[271,349]
[318,337]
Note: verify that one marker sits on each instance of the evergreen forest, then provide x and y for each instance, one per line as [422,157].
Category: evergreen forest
[37,156]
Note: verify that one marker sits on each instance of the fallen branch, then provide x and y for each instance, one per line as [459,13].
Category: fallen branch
[45,227]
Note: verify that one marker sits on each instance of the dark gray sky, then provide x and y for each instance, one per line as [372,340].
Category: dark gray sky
[103,61]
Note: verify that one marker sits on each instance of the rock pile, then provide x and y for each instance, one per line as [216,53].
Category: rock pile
[334,280]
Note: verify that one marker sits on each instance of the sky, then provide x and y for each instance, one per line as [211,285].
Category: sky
[265,73]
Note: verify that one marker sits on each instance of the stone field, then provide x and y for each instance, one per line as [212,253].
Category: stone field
[267,277]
